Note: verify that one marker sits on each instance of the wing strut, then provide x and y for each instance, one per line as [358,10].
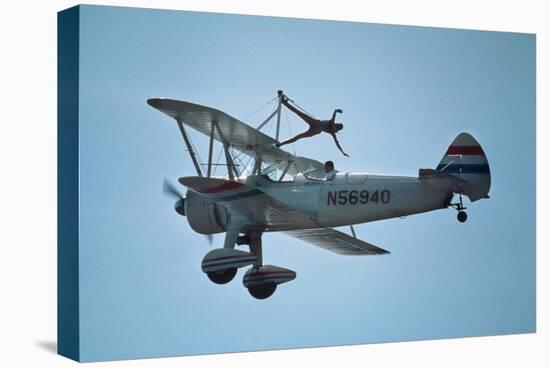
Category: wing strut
[210,148]
[268,119]
[279,116]
[232,170]
[285,170]
[190,148]
[257,164]
[353,231]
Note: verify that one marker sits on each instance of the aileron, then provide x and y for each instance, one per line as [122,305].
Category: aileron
[336,241]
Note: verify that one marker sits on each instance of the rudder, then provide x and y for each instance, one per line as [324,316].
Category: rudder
[466,159]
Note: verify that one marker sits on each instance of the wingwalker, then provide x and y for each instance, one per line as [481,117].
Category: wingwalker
[301,197]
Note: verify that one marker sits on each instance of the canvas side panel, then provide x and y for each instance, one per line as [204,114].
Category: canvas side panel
[67,183]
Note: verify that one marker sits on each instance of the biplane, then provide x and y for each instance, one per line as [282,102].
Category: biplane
[283,192]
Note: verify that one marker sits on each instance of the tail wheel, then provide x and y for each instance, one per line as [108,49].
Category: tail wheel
[222,276]
[462,216]
[262,291]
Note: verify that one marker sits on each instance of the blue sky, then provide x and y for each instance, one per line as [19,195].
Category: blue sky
[406,93]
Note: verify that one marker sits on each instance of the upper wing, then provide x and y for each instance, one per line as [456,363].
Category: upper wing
[234,132]
[269,214]
[200,118]
[336,241]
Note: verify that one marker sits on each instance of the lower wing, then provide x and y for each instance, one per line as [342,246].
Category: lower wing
[336,241]
[269,214]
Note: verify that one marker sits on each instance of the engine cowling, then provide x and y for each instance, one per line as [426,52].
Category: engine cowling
[204,215]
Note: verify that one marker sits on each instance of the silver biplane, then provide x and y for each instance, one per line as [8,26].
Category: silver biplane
[297,196]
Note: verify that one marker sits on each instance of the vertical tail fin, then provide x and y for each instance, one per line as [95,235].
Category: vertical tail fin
[465,159]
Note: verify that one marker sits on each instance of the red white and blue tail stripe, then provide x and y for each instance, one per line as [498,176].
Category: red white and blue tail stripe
[466,159]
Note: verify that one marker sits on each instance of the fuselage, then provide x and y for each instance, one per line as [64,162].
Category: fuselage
[352,198]
[343,199]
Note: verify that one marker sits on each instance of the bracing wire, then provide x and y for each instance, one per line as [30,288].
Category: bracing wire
[217,161]
[195,149]
[247,165]
[301,108]
[199,159]
[269,127]
[239,156]
[261,107]
[236,157]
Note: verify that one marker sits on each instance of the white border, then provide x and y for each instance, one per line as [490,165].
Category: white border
[28,185]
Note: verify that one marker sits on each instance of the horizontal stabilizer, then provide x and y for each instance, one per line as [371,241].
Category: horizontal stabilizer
[429,174]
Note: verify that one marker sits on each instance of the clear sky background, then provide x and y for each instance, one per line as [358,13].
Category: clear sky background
[406,93]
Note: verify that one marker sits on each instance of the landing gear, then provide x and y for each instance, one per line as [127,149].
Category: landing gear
[262,280]
[222,276]
[258,288]
[221,265]
[461,216]
[262,291]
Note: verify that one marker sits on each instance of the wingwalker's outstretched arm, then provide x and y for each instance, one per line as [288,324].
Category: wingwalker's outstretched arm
[338,144]
[334,114]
